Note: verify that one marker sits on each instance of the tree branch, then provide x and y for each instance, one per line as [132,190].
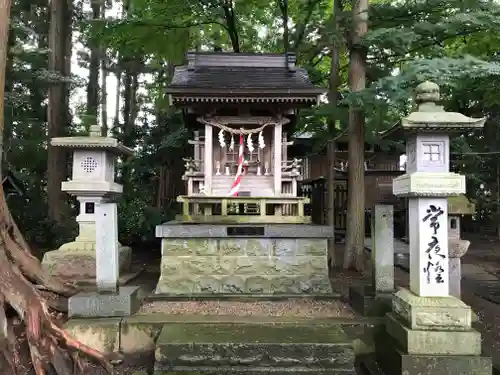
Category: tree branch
[227,7]
[432,43]
[311,4]
[152,23]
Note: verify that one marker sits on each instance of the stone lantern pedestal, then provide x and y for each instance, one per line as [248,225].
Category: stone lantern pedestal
[429,331]
[92,183]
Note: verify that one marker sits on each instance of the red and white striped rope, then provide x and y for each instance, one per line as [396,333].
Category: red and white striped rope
[237,180]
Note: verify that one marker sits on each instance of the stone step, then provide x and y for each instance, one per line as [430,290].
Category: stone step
[253,349]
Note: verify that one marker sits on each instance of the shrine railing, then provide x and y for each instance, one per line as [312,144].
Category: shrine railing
[240,209]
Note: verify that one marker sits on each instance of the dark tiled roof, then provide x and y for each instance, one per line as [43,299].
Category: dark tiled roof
[217,79]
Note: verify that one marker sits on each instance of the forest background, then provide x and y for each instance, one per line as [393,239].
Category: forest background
[76,63]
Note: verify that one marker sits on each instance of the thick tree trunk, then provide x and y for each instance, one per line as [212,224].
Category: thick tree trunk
[104,97]
[104,86]
[93,83]
[116,117]
[333,99]
[24,283]
[58,111]
[353,257]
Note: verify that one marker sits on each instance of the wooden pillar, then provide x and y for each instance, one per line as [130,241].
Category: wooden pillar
[208,162]
[277,158]
[331,200]
[197,156]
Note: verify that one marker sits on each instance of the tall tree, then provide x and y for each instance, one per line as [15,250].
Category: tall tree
[104,77]
[333,98]
[22,278]
[356,172]
[58,103]
[94,63]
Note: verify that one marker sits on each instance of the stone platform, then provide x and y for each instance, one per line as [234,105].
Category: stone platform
[393,360]
[248,348]
[243,259]
[299,335]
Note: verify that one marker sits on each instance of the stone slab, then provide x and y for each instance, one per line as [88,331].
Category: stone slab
[252,370]
[95,305]
[179,230]
[252,347]
[366,302]
[431,313]
[393,361]
[433,342]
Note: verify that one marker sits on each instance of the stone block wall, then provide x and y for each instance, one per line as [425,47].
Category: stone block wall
[238,265]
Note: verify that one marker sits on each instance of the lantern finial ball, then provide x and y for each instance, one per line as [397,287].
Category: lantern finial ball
[427,92]
[95,131]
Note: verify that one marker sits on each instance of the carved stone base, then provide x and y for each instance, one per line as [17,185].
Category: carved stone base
[430,335]
[78,260]
[431,313]
[243,266]
[429,342]
[392,360]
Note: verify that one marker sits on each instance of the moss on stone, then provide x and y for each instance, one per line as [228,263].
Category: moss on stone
[237,333]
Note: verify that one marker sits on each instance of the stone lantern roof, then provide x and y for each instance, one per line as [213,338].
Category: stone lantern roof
[431,117]
[460,205]
[93,141]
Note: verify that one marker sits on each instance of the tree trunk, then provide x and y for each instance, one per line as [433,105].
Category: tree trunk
[229,16]
[127,125]
[331,200]
[333,95]
[353,257]
[497,185]
[104,86]
[116,117]
[24,284]
[93,83]
[58,111]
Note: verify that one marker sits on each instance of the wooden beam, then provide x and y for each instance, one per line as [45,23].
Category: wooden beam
[244,219]
[241,200]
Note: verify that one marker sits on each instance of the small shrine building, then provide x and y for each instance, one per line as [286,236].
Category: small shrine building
[243,229]
[240,108]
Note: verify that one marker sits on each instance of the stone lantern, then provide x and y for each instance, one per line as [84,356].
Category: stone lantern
[92,182]
[429,330]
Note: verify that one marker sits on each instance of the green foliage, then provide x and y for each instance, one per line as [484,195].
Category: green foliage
[453,43]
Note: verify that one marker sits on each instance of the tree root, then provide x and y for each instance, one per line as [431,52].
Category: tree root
[30,291]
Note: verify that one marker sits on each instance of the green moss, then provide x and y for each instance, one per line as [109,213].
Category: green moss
[237,333]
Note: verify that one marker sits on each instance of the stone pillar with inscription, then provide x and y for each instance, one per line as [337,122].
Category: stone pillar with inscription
[429,331]
[375,299]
